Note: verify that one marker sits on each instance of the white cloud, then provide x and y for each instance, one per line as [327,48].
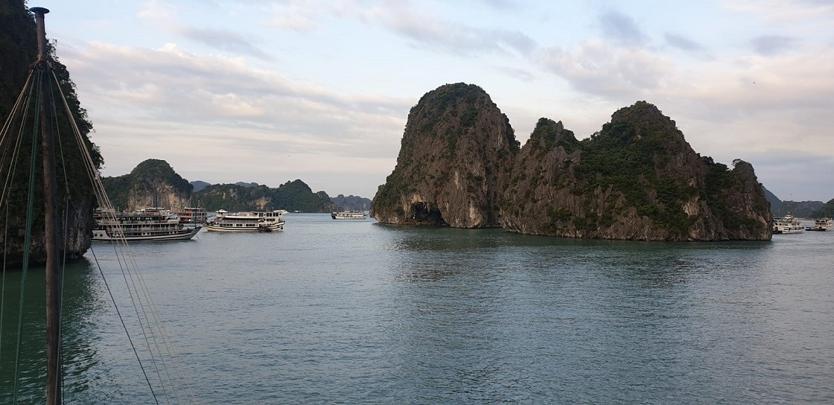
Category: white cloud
[433,31]
[601,69]
[783,10]
[204,110]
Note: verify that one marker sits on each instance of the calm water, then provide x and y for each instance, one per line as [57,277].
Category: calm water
[354,312]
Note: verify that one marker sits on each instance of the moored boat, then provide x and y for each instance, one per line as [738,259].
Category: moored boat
[787,225]
[191,215]
[821,225]
[348,215]
[252,221]
[149,224]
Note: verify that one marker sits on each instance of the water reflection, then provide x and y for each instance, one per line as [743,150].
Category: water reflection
[79,349]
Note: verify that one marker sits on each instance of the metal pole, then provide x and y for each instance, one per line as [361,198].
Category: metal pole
[51,226]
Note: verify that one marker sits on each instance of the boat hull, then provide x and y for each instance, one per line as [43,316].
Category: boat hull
[270,227]
[103,236]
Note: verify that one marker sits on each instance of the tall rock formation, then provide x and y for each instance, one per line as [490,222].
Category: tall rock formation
[18,50]
[152,183]
[456,148]
[635,179]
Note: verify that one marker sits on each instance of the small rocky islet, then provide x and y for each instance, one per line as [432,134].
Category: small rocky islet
[637,178]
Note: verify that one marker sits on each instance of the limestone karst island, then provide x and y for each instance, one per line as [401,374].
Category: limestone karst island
[416,202]
[637,178]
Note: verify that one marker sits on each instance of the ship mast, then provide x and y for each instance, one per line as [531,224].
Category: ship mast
[52,230]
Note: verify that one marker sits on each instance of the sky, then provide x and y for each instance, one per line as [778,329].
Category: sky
[274,90]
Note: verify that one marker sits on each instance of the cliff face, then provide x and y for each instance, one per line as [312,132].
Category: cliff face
[152,183]
[18,49]
[456,147]
[635,179]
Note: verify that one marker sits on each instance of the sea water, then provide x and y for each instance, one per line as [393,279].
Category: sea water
[341,311]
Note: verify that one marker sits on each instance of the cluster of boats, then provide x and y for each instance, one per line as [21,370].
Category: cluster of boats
[157,224]
[161,224]
[791,225]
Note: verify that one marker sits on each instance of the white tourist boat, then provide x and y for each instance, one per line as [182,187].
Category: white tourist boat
[787,225]
[149,224]
[348,215]
[822,224]
[251,221]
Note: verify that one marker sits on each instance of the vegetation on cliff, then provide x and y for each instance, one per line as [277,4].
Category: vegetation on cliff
[455,146]
[637,178]
[152,183]
[18,50]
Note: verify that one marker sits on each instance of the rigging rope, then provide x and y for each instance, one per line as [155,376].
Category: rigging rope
[23,99]
[135,282]
[3,288]
[27,241]
[64,227]
[132,346]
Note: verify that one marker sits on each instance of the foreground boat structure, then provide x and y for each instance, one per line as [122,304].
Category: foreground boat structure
[149,224]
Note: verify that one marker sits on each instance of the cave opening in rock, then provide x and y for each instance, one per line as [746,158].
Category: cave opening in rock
[425,213]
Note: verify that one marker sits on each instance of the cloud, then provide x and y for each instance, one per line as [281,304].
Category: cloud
[621,28]
[600,69]
[773,44]
[683,43]
[212,112]
[521,74]
[784,10]
[777,170]
[163,16]
[450,36]
[223,40]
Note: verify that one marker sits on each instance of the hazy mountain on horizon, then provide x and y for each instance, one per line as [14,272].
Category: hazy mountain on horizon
[802,209]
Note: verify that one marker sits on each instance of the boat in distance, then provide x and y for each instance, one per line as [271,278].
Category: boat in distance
[349,215]
[148,224]
[821,225]
[787,225]
[251,221]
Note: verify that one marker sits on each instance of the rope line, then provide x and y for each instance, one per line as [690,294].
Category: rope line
[116,306]
[137,288]
[23,99]
[3,288]
[65,228]
[27,242]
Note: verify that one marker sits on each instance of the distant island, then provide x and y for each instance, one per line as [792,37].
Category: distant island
[460,165]
[154,183]
[800,209]
[351,202]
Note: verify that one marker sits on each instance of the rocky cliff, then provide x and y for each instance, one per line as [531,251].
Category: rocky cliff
[18,50]
[455,151]
[637,179]
[152,183]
